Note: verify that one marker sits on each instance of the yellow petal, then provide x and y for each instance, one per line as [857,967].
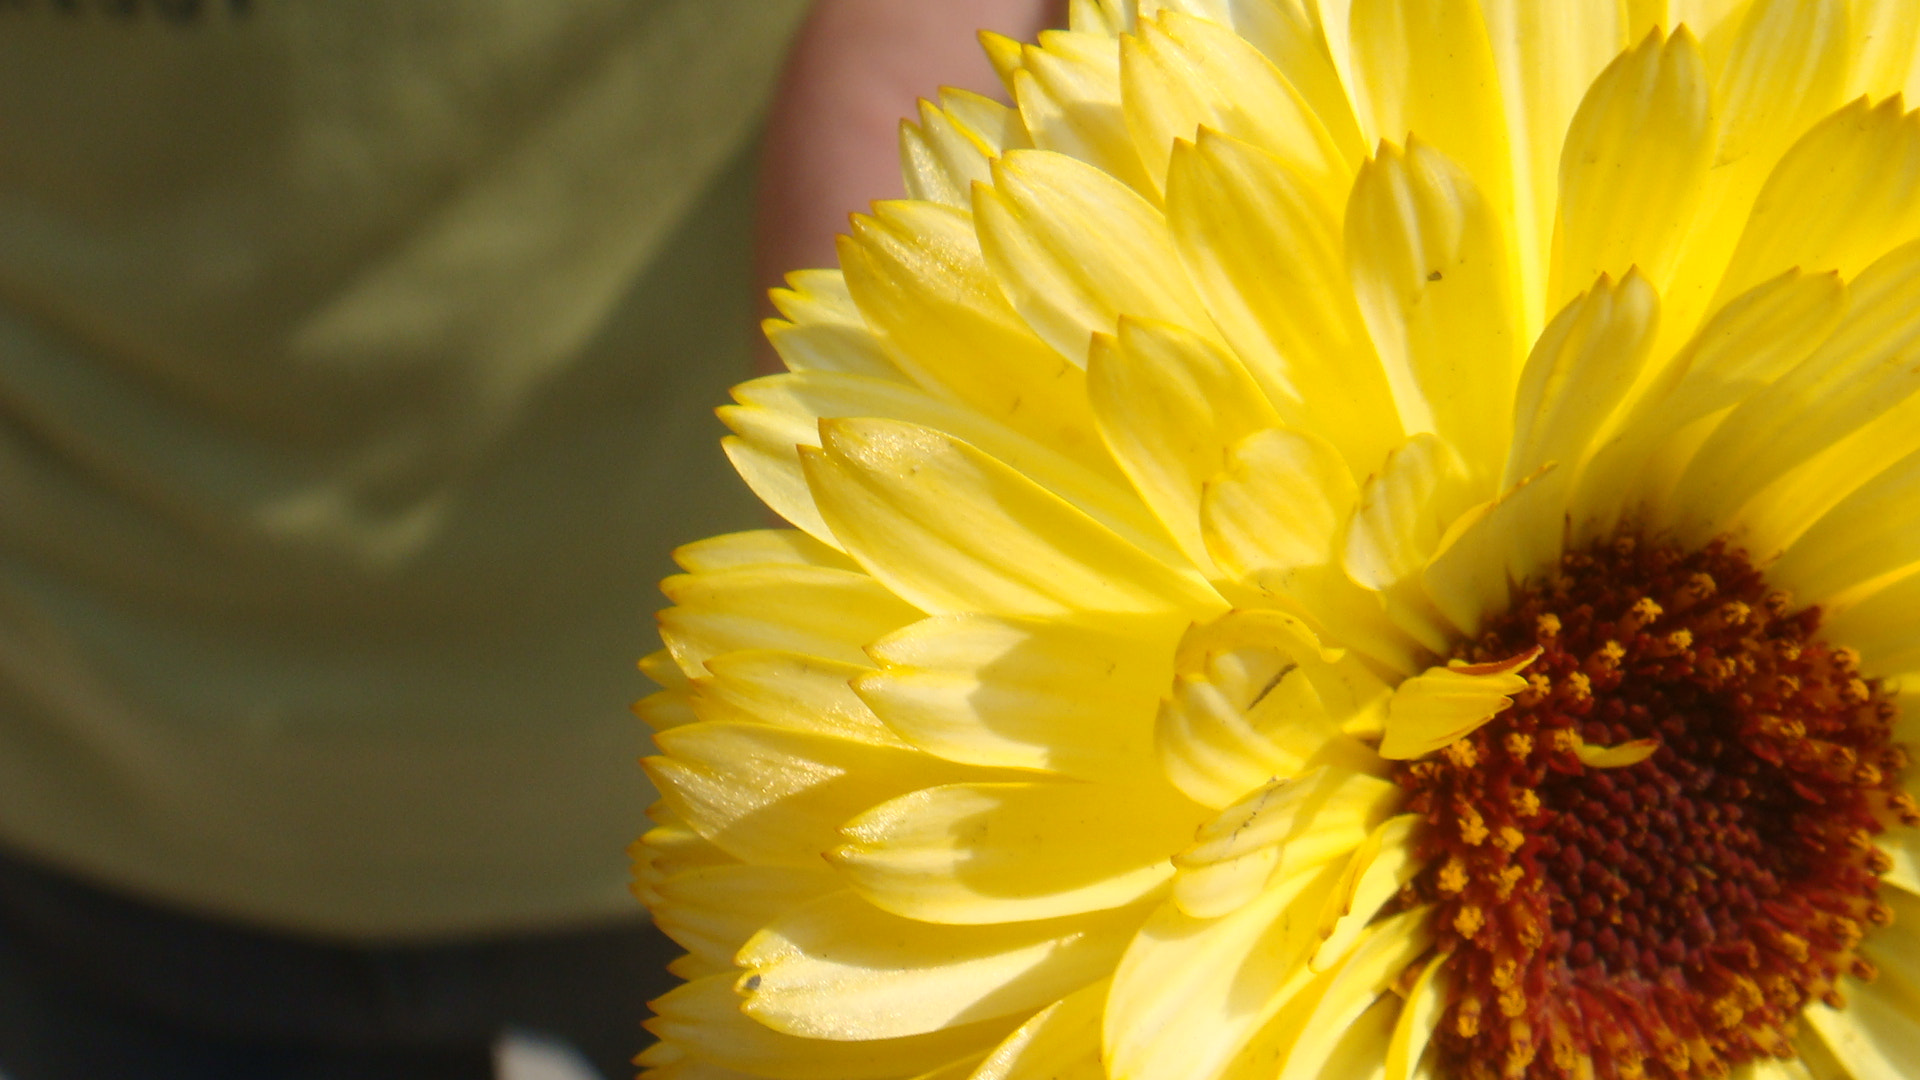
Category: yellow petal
[1506,540]
[954,530]
[672,846]
[1882,627]
[1274,521]
[1861,371]
[1787,65]
[1778,516]
[758,547]
[821,330]
[1074,249]
[1902,846]
[692,1069]
[1278,506]
[1547,56]
[1254,699]
[1895,949]
[762,452]
[1178,73]
[917,273]
[1440,705]
[1398,524]
[1068,90]
[704,1017]
[1356,1053]
[1208,648]
[1061,1042]
[1876,1035]
[1841,197]
[1266,252]
[1634,167]
[1887,32]
[1401,511]
[666,709]
[1813,1062]
[711,911]
[1221,888]
[1169,404]
[841,969]
[1007,56]
[1417,1021]
[1425,67]
[790,690]
[1374,875]
[947,152]
[958,1070]
[1617,757]
[1283,827]
[1429,266]
[1319,815]
[658,665]
[993,853]
[987,122]
[1049,695]
[1777,66]
[774,796]
[1872,532]
[1580,369]
[1746,344]
[1190,992]
[937,161]
[806,609]
[1287,35]
[1103,17]
[784,413]
[1389,947]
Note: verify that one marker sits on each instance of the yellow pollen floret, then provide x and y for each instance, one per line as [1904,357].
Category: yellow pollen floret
[1468,920]
[1453,876]
[1466,1018]
[1509,879]
[1473,827]
[1510,838]
[1582,688]
[1520,746]
[1462,753]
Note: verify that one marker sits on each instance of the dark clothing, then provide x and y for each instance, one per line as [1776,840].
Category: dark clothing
[94,986]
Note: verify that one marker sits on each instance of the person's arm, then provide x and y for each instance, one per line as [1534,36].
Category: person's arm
[833,140]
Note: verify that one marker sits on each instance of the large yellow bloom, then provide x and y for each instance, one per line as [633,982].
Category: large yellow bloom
[1365,539]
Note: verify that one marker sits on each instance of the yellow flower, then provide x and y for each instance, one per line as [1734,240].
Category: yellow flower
[1362,539]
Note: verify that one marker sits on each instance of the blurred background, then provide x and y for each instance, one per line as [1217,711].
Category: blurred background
[357,361]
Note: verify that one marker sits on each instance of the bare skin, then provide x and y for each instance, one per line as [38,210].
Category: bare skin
[832,143]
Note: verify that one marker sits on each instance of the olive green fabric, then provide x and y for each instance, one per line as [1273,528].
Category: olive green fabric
[357,361]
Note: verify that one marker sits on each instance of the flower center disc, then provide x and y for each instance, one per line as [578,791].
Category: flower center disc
[1669,918]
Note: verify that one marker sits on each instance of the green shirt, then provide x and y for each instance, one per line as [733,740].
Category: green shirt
[356,366]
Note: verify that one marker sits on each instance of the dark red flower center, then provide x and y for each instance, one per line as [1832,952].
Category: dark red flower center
[1667,919]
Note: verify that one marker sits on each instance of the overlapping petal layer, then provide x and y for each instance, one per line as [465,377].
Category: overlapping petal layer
[1147,463]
